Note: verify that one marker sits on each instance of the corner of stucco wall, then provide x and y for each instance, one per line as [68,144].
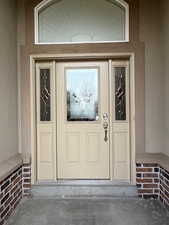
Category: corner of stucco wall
[150,34]
[165,25]
[8,84]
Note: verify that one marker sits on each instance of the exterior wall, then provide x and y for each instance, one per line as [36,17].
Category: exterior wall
[13,187]
[10,194]
[134,46]
[26,180]
[8,80]
[165,40]
[153,182]
[154,31]
[20,42]
[164,186]
[148,179]
[151,35]
[146,30]
[150,104]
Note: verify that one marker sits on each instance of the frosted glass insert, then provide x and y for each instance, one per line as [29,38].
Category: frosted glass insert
[82,94]
[70,21]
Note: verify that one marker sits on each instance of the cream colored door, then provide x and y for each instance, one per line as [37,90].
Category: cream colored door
[83,120]
[82,110]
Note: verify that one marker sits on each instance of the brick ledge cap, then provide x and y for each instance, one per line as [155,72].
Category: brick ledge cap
[157,158]
[26,158]
[10,165]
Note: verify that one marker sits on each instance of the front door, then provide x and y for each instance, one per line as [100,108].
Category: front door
[83,120]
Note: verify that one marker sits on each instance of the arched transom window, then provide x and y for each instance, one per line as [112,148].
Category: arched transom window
[81,21]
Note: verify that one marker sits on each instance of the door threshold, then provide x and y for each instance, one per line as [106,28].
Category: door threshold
[62,182]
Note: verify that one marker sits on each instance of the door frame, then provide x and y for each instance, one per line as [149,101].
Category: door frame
[104,56]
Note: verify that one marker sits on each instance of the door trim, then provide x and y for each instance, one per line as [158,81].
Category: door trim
[58,57]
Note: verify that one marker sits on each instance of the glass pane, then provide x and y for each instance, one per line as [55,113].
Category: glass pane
[82,21]
[120,93]
[82,94]
[45,108]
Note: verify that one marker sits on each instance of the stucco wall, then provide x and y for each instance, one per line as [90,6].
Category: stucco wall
[165,40]
[150,23]
[134,46]
[8,80]
[154,32]
[151,35]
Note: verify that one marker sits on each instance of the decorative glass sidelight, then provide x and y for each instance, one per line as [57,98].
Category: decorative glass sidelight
[120,93]
[45,97]
[82,94]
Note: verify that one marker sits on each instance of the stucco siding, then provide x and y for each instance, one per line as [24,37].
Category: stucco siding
[151,35]
[8,80]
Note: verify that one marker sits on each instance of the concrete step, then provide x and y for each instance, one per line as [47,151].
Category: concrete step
[83,191]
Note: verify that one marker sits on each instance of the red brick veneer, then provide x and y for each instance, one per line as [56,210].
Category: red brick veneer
[12,189]
[164,186]
[152,182]
[147,179]
[26,179]
[11,194]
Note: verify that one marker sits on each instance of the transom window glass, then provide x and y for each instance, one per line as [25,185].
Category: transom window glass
[78,21]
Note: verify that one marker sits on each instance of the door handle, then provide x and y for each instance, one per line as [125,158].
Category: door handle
[105,126]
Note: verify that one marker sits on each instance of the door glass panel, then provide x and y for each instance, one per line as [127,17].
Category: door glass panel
[82,94]
[45,99]
[120,93]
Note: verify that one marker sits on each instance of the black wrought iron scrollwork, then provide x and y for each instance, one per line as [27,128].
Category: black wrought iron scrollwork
[120,93]
[45,97]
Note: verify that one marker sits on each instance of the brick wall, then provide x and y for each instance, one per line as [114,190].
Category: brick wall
[147,180]
[12,189]
[10,194]
[152,182]
[164,186]
[26,179]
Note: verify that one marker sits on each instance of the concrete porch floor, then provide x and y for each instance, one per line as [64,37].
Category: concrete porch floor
[129,211]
